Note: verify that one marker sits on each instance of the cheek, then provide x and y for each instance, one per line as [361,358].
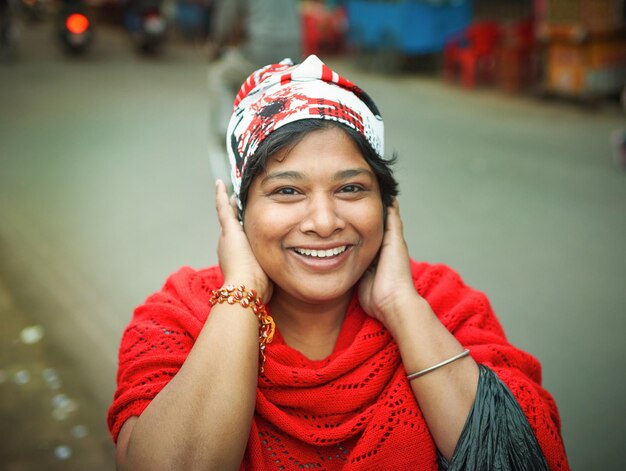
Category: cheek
[371,226]
[266,226]
[377,239]
[258,233]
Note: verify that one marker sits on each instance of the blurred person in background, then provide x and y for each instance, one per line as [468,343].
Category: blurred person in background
[246,35]
[8,32]
[317,342]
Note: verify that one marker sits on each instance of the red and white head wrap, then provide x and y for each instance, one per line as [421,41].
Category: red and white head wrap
[279,94]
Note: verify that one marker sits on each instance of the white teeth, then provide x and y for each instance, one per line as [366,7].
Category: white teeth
[321,253]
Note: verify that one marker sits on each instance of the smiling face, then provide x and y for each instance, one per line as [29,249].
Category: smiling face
[314,217]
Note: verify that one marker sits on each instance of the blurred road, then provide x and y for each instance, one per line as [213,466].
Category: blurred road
[106,188]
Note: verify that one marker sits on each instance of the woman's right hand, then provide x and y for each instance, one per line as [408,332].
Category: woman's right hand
[237,262]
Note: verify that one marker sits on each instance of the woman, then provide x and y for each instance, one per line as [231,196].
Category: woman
[318,343]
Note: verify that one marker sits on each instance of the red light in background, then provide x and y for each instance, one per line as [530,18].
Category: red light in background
[77,23]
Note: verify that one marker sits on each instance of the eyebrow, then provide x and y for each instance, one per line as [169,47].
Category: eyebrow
[286,175]
[297,176]
[351,173]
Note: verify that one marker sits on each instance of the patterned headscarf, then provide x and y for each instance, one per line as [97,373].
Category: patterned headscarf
[279,94]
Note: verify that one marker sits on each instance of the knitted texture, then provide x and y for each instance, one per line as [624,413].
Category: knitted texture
[354,410]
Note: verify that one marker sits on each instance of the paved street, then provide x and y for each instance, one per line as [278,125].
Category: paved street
[106,188]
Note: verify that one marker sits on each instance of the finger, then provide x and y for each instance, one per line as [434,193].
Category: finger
[234,205]
[396,203]
[224,210]
[394,222]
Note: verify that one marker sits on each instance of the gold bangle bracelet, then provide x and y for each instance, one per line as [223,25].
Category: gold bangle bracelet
[247,298]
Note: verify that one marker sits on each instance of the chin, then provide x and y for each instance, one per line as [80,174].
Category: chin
[318,291]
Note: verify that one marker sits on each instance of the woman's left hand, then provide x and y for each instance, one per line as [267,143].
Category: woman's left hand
[387,284]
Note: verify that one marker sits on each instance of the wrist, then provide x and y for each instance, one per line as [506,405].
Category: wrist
[260,287]
[248,299]
[402,309]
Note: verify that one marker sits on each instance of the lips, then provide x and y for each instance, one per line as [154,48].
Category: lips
[321,253]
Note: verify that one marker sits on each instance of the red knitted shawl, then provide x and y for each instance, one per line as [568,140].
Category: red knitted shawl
[353,410]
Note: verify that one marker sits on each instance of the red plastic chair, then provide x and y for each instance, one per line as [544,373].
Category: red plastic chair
[472,55]
[322,29]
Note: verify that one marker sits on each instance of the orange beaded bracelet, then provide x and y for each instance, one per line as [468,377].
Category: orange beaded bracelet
[248,298]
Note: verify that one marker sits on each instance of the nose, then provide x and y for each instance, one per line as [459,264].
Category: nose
[322,216]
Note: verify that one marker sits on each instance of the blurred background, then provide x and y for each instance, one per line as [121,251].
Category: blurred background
[506,115]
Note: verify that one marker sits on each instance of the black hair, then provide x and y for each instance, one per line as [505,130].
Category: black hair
[289,135]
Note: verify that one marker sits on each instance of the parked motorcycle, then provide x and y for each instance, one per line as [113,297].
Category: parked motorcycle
[33,10]
[74,26]
[147,25]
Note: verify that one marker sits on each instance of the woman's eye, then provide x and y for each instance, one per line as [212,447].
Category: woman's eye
[286,191]
[351,189]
